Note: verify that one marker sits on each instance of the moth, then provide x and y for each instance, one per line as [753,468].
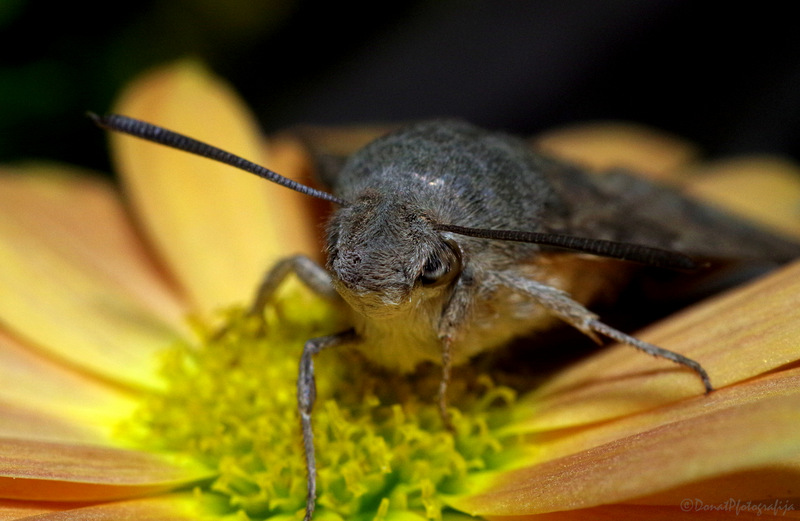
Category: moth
[448,241]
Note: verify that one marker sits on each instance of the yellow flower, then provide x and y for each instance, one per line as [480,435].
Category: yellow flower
[114,406]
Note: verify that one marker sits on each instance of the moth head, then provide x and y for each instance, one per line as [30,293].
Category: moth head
[386,256]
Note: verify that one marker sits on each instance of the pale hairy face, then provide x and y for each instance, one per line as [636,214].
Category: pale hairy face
[385,255]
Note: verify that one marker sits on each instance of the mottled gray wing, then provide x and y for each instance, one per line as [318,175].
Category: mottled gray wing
[622,207]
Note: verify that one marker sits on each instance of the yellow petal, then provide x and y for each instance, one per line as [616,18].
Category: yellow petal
[684,455]
[607,145]
[746,332]
[169,507]
[41,399]
[74,279]
[40,470]
[218,228]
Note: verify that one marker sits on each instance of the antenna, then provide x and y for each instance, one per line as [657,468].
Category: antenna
[615,250]
[162,136]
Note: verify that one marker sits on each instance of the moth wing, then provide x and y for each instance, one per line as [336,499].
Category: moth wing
[623,207]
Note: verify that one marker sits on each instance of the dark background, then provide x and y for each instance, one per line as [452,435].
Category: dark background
[725,76]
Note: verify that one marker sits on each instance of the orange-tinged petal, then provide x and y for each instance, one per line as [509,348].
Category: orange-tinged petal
[27,422]
[83,214]
[42,399]
[741,334]
[219,228]
[167,507]
[607,145]
[760,435]
[42,470]
[569,441]
[75,280]
[11,509]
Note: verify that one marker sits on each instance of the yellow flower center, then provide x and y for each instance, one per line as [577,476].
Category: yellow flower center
[381,445]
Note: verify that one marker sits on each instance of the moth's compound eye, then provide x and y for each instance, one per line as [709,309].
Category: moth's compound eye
[433,270]
[441,266]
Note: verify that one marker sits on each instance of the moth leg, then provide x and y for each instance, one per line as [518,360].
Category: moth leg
[447,365]
[309,272]
[306,396]
[561,304]
[654,350]
[452,317]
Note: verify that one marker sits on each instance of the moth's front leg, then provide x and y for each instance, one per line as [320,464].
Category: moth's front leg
[560,304]
[308,271]
[314,276]
[453,316]
[319,281]
[306,396]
